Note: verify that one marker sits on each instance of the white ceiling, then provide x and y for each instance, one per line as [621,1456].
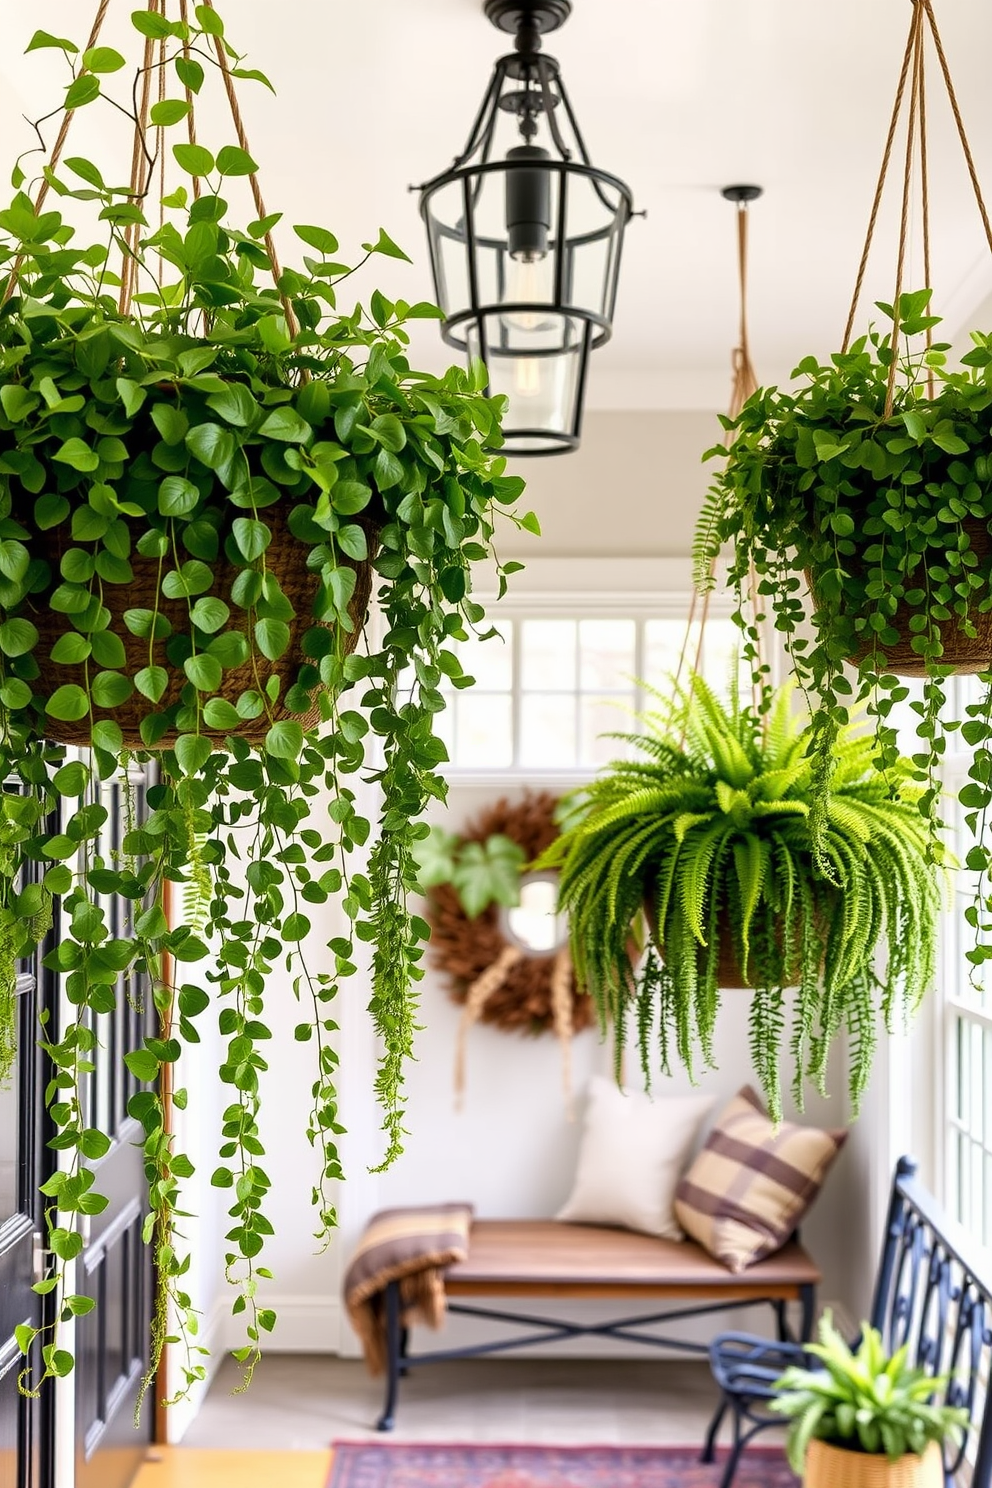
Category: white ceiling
[677,98]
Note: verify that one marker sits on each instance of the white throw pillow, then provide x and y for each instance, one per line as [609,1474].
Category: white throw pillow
[633,1153]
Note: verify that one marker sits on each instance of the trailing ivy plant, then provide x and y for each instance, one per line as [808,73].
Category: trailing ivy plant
[868,528]
[706,830]
[153,459]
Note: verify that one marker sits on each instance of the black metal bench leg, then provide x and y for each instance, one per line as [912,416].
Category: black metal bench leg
[393,1355]
[709,1449]
[404,1346]
[808,1300]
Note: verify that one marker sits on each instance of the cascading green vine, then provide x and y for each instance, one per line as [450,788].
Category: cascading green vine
[707,830]
[154,462]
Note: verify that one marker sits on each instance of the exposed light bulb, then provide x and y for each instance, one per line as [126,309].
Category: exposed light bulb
[528,280]
[527,381]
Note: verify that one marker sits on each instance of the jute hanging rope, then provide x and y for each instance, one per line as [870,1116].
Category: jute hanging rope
[913,71]
[144,162]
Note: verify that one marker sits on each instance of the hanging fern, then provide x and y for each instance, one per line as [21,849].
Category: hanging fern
[709,834]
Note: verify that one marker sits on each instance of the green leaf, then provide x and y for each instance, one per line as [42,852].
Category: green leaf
[171,423]
[235,405]
[78,454]
[70,649]
[169,111]
[82,91]
[210,613]
[17,637]
[42,39]
[385,245]
[389,432]
[68,703]
[285,424]
[110,689]
[17,401]
[131,395]
[352,541]
[151,682]
[195,160]
[103,59]
[232,161]
[295,926]
[252,537]
[317,237]
[192,752]
[204,671]
[285,740]
[272,638]
[218,713]
[209,20]
[142,1064]
[177,496]
[150,24]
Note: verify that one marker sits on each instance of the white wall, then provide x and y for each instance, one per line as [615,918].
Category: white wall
[632,491]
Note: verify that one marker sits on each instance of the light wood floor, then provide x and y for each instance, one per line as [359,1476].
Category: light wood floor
[190,1467]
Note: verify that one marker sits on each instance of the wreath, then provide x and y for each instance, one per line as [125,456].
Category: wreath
[494,979]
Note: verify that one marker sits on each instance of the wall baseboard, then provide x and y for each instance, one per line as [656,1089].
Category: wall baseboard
[304,1325]
[180,1417]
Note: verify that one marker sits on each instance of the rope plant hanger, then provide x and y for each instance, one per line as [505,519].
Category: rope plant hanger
[706,833]
[203,465]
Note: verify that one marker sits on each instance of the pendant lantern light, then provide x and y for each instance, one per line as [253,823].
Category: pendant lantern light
[525,239]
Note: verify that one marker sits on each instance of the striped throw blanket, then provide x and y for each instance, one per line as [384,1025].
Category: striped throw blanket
[412,1246]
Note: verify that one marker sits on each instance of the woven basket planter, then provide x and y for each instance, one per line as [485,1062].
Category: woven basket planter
[828,1466]
[966,654]
[285,558]
[729,977]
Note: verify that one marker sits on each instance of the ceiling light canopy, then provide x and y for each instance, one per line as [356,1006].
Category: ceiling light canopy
[525,238]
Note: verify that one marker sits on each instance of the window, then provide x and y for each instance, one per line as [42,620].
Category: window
[552,687]
[967,1008]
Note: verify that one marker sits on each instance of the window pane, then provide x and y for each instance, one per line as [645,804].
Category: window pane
[607,653]
[547,730]
[548,654]
[600,717]
[483,731]
[663,641]
[490,662]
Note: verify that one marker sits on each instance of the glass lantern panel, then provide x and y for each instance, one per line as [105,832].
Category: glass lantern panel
[542,387]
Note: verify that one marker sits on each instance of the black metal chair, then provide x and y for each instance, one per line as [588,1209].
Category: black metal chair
[933,1290]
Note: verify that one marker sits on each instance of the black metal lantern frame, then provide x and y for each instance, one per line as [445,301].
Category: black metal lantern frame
[525,250]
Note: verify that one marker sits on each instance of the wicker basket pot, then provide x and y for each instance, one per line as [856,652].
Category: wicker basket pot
[729,976]
[828,1466]
[285,558]
[966,654]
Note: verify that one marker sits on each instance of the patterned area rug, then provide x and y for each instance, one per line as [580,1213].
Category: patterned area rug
[431,1465]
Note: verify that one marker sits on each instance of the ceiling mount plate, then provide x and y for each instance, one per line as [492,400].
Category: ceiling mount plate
[742,193]
[542,15]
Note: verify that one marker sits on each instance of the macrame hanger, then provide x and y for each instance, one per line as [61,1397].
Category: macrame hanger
[143,163]
[744,384]
[913,71]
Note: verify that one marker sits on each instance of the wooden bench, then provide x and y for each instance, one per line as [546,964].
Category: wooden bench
[538,1258]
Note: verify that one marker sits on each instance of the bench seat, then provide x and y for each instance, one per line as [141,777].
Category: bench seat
[547,1258]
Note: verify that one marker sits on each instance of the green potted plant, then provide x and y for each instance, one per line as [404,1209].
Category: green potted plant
[865,1419]
[202,474]
[863,505]
[706,827]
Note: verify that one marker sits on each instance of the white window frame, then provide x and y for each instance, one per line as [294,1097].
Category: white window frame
[637,589]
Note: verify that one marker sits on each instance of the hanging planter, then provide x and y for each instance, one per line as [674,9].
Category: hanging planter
[204,469]
[708,824]
[870,487]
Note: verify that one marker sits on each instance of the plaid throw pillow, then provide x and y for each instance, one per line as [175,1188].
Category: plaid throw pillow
[752,1183]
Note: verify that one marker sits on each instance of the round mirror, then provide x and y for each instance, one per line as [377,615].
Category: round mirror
[535,924]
